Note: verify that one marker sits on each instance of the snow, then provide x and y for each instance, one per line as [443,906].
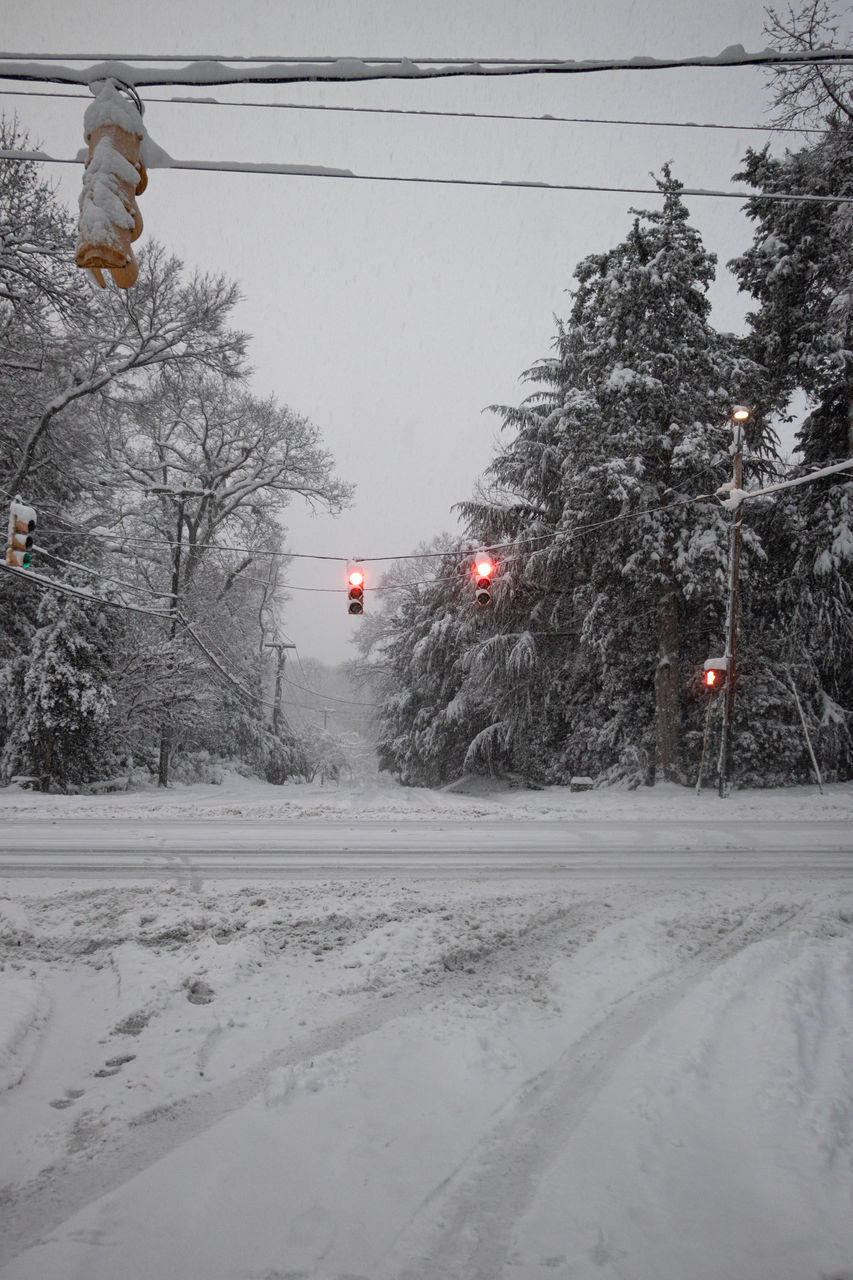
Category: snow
[101,204]
[217,71]
[111,107]
[409,1076]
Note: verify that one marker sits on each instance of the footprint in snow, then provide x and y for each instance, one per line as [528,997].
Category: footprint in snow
[71,1096]
[113,1066]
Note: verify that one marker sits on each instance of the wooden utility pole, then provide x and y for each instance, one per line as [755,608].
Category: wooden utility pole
[327,711]
[739,416]
[279,647]
[166,724]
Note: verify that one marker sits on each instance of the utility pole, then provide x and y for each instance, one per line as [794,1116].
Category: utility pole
[739,416]
[327,711]
[280,647]
[166,724]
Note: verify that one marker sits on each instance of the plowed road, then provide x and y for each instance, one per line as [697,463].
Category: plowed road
[239,847]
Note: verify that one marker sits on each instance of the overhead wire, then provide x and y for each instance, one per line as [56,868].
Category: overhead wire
[843,57]
[80,593]
[218,70]
[507,184]
[96,573]
[546,118]
[460,553]
[269,553]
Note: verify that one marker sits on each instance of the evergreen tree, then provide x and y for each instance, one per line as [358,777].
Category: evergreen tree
[59,698]
[619,568]
[800,271]
[430,710]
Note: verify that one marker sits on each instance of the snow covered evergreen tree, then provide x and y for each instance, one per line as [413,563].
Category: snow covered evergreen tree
[614,592]
[58,697]
[800,271]
[417,650]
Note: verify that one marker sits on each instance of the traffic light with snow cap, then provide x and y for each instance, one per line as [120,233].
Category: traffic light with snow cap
[355,590]
[715,674]
[19,542]
[484,568]
[115,175]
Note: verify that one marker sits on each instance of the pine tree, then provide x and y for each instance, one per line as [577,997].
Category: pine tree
[800,271]
[620,569]
[430,708]
[58,697]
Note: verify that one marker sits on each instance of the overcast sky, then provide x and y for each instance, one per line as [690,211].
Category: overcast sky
[393,315]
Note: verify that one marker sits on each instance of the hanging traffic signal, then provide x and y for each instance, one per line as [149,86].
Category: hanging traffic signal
[716,673]
[114,176]
[355,593]
[19,543]
[483,570]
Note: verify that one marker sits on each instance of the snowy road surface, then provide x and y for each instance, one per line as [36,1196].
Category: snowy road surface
[642,1070]
[229,847]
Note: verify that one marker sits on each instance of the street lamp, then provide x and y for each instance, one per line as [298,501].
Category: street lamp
[739,415]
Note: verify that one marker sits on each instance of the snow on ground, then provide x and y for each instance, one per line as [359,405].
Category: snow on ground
[413,1078]
[374,797]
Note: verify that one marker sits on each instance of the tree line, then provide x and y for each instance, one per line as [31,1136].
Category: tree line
[601,508]
[162,483]
[131,426]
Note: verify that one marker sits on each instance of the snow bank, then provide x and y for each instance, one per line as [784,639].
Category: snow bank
[380,798]
[23,1011]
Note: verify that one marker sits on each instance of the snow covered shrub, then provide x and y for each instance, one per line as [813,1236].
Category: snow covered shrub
[196,766]
[58,699]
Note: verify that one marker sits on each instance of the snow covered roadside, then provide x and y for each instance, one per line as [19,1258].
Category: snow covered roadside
[239,797]
[419,1079]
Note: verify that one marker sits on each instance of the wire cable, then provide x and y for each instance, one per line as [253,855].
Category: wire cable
[508,184]
[547,118]
[217,70]
[96,573]
[65,588]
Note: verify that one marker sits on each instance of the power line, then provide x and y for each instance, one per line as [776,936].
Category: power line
[96,573]
[547,118]
[454,552]
[213,71]
[320,171]
[64,588]
[327,697]
[387,559]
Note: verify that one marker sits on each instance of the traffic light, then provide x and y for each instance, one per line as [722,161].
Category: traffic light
[355,594]
[19,543]
[483,570]
[114,176]
[716,673]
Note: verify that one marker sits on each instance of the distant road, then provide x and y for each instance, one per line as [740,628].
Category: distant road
[239,847]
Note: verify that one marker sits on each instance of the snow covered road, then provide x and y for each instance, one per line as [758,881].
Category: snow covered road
[638,1070]
[232,847]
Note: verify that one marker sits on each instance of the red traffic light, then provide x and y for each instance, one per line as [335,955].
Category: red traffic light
[355,595]
[715,673]
[483,570]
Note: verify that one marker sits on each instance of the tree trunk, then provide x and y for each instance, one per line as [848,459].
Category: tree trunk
[668,690]
[165,752]
[47,772]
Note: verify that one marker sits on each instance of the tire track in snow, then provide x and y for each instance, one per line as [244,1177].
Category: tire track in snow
[30,1211]
[463,1230]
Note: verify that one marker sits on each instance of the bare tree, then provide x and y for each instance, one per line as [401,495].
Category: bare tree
[201,470]
[810,94]
[119,333]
